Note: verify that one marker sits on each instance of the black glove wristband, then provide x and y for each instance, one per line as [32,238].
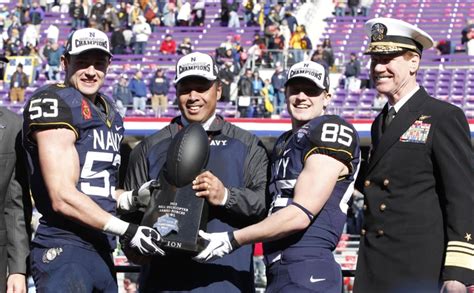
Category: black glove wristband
[130,232]
[232,240]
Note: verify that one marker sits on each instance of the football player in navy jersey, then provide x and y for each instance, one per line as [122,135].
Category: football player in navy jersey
[72,137]
[314,167]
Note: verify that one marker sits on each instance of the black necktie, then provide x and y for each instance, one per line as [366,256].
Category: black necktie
[388,119]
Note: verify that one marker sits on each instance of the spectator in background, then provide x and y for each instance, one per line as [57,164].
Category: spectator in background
[141,32]
[351,72]
[278,81]
[64,6]
[36,15]
[365,6]
[226,76]
[320,56]
[30,35]
[152,14]
[268,95]
[466,29]
[355,213]
[379,102]
[257,83]
[130,282]
[353,6]
[122,95]
[117,41]
[470,42]
[110,18]
[54,61]
[245,91]
[184,14]
[159,87]
[52,33]
[328,52]
[276,45]
[18,84]
[169,13]
[445,47]
[133,13]
[168,46]
[340,7]
[97,12]
[185,47]
[138,89]
[234,21]
[299,43]
[199,13]
[225,13]
[76,11]
[291,21]
[248,16]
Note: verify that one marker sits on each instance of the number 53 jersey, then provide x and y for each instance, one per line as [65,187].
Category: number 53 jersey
[99,132]
[328,135]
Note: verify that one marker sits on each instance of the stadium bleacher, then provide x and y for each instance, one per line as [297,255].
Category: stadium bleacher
[447,77]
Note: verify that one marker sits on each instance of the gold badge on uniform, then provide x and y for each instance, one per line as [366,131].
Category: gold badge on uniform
[417,133]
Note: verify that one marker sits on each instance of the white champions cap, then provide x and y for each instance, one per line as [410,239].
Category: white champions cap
[196,64]
[390,36]
[87,39]
[312,71]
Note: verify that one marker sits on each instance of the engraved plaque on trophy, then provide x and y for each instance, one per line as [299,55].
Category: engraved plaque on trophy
[174,210]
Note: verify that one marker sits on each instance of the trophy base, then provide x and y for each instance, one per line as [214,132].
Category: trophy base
[178,215]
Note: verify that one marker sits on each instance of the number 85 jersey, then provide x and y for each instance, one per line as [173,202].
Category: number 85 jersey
[328,135]
[99,132]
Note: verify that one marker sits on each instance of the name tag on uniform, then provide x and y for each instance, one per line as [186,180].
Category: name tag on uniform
[417,133]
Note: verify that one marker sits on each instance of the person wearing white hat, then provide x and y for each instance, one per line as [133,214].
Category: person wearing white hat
[233,186]
[417,235]
[72,135]
[313,170]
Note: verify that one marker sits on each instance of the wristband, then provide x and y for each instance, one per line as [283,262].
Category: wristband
[116,226]
[232,240]
[226,195]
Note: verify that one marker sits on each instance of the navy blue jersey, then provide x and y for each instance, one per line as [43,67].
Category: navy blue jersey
[99,132]
[329,135]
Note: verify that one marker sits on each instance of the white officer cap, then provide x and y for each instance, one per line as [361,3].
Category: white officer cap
[389,36]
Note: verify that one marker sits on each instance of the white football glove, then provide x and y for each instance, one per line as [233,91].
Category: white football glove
[219,245]
[134,199]
[144,239]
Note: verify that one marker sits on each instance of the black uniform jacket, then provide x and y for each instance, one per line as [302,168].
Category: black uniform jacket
[419,200]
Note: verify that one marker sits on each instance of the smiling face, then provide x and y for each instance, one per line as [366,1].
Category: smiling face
[198,98]
[394,75]
[305,101]
[86,71]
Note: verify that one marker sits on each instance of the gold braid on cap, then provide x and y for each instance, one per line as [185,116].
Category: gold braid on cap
[387,47]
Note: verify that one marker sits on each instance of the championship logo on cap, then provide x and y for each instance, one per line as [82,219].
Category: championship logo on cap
[87,39]
[313,71]
[196,64]
[391,36]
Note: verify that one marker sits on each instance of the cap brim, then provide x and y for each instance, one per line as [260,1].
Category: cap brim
[210,78]
[304,77]
[90,49]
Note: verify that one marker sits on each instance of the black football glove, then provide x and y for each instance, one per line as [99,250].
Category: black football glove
[144,239]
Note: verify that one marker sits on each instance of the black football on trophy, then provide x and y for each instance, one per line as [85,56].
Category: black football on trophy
[187,155]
